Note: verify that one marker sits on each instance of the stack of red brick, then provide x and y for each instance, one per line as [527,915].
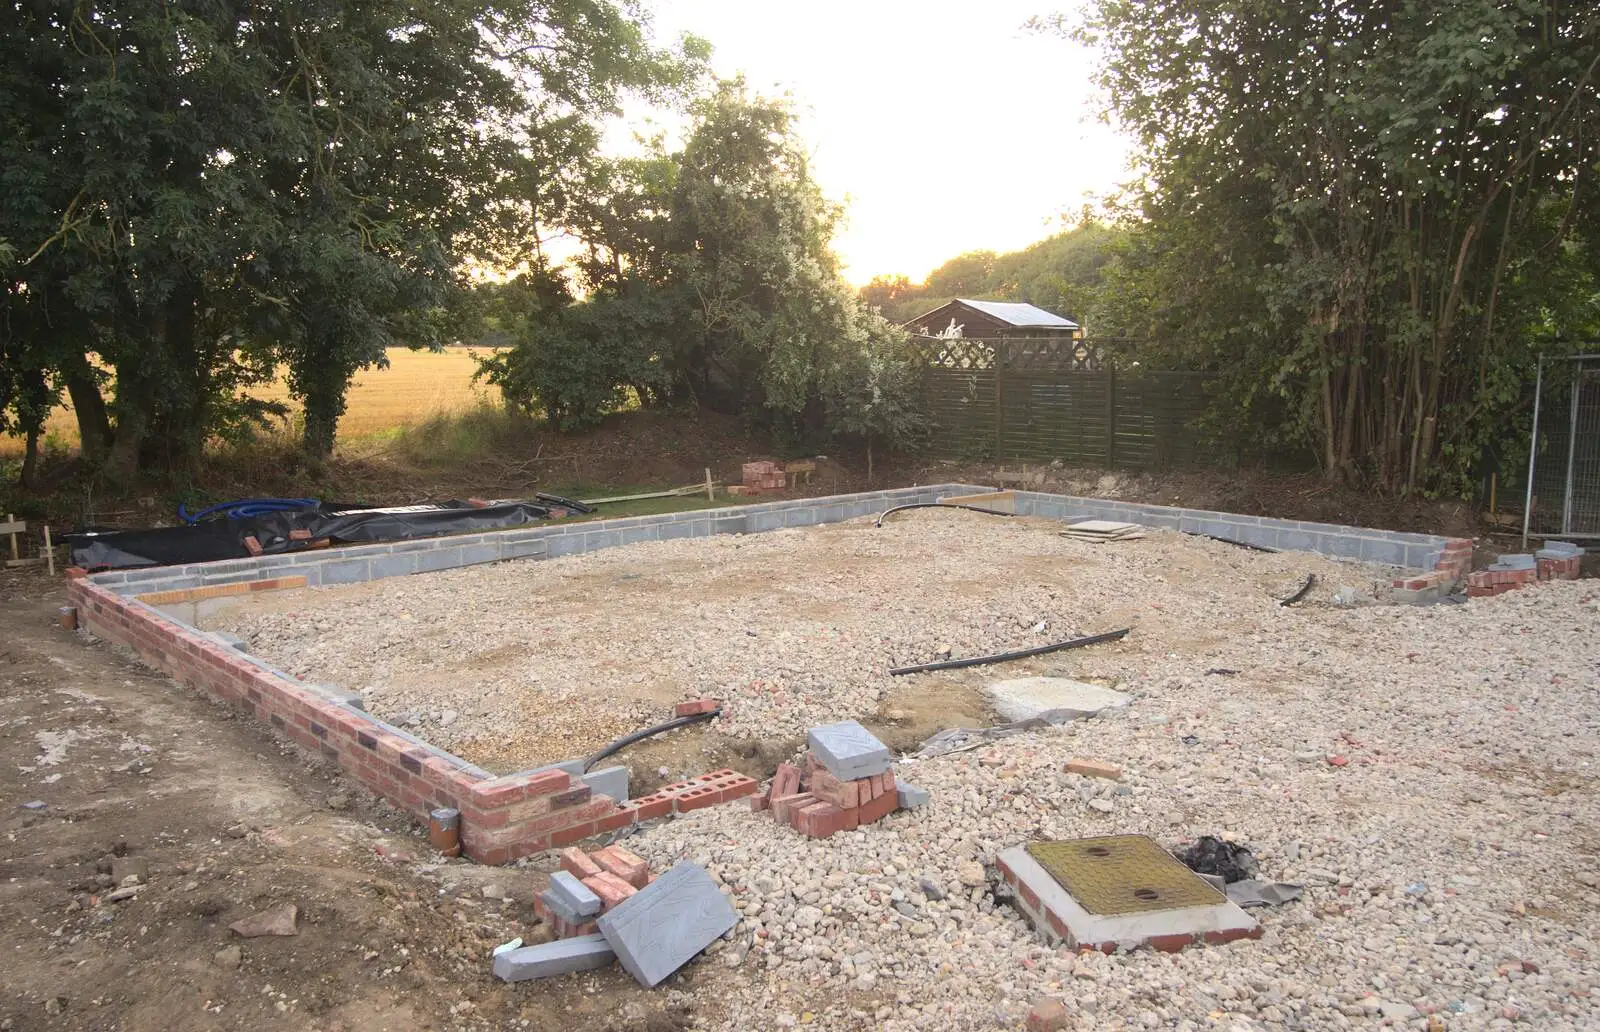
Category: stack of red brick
[612,873]
[816,803]
[763,476]
[1561,562]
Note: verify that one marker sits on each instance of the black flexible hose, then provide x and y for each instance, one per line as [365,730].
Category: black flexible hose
[1233,541]
[956,664]
[627,740]
[938,505]
[1305,589]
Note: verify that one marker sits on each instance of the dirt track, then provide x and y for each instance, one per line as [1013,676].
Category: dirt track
[231,822]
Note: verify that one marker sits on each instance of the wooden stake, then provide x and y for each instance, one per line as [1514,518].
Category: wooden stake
[711,489]
[49,551]
[10,518]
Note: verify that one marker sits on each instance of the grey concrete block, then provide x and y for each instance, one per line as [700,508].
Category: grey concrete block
[1565,547]
[333,693]
[1515,561]
[564,956]
[566,544]
[344,571]
[728,525]
[910,796]
[634,535]
[523,549]
[1414,596]
[232,641]
[686,529]
[487,552]
[598,539]
[394,565]
[848,750]
[664,925]
[444,558]
[575,896]
[763,521]
[1379,550]
[611,781]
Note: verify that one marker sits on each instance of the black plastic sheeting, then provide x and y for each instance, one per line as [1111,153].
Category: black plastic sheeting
[335,523]
[1211,855]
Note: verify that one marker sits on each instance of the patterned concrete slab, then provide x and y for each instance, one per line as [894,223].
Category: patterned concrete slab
[667,923]
[848,750]
[1058,917]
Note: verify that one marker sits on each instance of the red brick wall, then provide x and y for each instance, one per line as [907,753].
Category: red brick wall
[501,818]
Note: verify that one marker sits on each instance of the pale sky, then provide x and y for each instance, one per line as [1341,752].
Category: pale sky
[946,127]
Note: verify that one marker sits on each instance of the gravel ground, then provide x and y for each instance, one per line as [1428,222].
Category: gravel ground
[517,664]
[1450,866]
[1450,862]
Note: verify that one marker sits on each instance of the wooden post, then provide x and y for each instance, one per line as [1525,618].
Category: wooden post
[711,490]
[11,518]
[999,400]
[49,551]
[1111,417]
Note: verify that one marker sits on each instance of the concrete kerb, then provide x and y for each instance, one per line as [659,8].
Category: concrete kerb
[504,816]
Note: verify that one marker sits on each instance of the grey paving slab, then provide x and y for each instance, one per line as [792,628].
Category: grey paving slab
[664,925]
[848,750]
[564,956]
[910,796]
[574,895]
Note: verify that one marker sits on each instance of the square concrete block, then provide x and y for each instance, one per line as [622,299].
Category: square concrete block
[580,953]
[610,781]
[574,895]
[848,750]
[909,796]
[663,926]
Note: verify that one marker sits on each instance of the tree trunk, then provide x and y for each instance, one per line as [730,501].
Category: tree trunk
[30,461]
[94,424]
[325,388]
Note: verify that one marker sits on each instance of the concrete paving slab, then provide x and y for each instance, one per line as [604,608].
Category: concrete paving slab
[667,923]
[579,953]
[1023,698]
[848,750]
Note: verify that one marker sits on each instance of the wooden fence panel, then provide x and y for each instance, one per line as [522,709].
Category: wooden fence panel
[1012,400]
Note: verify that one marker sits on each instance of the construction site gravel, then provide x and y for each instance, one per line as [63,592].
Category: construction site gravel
[1426,773]
[518,664]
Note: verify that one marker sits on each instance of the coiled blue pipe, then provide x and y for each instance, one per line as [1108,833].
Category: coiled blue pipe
[245,508]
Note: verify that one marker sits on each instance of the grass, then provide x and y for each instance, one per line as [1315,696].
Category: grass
[417,388]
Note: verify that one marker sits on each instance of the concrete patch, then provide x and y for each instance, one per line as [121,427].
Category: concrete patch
[660,928]
[1024,698]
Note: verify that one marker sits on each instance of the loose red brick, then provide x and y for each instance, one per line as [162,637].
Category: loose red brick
[1094,768]
[781,805]
[820,820]
[843,794]
[879,808]
[761,800]
[611,889]
[1171,943]
[694,707]
[1048,1015]
[252,545]
[786,780]
[626,865]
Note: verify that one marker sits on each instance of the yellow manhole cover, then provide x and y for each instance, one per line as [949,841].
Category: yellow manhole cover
[1122,874]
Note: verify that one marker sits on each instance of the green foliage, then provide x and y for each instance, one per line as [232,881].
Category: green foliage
[1372,214]
[577,363]
[201,190]
[711,279]
[1061,274]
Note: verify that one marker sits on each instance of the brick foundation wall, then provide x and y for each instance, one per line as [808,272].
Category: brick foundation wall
[502,818]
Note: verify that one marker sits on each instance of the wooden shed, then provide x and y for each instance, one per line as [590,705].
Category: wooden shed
[989,319]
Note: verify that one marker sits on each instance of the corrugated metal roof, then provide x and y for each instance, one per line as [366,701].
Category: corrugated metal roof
[1018,313]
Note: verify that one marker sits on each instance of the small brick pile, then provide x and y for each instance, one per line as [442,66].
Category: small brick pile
[815,802]
[1558,560]
[611,875]
[763,476]
[1448,570]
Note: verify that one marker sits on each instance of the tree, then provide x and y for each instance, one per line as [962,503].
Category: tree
[201,189]
[1355,208]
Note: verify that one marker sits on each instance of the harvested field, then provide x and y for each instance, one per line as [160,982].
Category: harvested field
[516,665]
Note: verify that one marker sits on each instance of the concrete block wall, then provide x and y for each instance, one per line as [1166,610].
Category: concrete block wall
[516,814]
